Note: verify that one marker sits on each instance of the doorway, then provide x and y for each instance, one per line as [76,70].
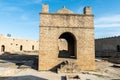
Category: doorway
[67,46]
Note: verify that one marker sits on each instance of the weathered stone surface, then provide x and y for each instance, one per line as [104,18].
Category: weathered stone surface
[23,67]
[108,47]
[72,77]
[68,67]
[14,45]
[7,71]
[7,65]
[77,29]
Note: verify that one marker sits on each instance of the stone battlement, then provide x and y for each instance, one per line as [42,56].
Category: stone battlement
[108,38]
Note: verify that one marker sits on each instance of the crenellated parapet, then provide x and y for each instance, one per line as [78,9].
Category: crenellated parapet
[112,37]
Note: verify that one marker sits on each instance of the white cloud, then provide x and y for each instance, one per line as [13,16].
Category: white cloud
[108,21]
[108,25]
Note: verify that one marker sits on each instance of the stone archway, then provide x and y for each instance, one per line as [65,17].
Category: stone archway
[78,36]
[67,45]
[3,48]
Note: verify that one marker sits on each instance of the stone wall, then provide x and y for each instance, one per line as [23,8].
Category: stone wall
[107,46]
[10,44]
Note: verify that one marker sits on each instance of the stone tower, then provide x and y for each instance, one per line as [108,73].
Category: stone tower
[65,36]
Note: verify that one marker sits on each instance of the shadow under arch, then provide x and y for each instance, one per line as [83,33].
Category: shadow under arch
[71,46]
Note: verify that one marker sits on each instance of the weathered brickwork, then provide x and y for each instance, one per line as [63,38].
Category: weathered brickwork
[13,45]
[76,29]
[107,47]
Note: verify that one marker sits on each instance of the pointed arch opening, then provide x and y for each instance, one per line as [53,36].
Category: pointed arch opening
[3,48]
[67,46]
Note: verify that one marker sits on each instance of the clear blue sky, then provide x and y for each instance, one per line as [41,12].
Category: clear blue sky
[20,18]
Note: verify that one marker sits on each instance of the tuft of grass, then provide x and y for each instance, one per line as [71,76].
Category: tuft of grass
[115,79]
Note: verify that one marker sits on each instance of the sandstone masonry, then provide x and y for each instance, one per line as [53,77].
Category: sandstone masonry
[13,45]
[66,28]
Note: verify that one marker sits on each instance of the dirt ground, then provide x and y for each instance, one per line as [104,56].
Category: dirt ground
[24,67]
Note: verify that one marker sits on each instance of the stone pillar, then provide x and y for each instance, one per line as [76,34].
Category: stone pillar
[87,10]
[45,8]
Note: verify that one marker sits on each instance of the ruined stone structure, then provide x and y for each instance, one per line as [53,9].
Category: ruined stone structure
[10,44]
[66,37]
[107,47]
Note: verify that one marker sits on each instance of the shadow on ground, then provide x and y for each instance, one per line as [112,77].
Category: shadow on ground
[28,77]
[21,59]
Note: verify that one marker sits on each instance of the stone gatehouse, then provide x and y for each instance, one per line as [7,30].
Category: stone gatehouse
[64,37]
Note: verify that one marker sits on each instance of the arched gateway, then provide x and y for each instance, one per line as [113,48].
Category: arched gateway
[70,52]
[65,36]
